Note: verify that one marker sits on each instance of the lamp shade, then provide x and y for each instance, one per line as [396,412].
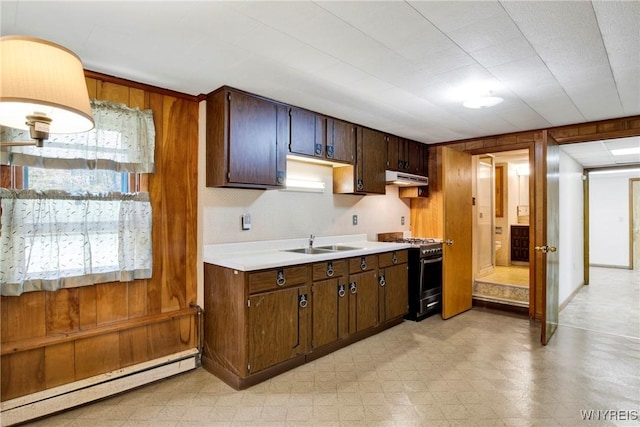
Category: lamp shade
[37,76]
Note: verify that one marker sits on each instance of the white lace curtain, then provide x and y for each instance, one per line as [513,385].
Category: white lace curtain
[59,239]
[55,239]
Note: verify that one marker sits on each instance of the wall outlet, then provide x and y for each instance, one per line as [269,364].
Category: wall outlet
[245,219]
[401,220]
[354,220]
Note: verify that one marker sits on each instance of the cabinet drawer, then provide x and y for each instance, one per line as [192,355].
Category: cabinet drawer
[278,278]
[388,259]
[327,269]
[363,263]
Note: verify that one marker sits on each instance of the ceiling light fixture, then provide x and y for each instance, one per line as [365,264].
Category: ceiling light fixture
[482,102]
[42,89]
[625,151]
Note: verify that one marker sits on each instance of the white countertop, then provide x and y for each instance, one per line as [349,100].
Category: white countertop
[250,256]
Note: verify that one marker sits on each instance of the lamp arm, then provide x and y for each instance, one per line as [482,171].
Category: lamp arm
[21,143]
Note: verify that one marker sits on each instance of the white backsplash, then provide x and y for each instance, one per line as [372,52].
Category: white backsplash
[279,214]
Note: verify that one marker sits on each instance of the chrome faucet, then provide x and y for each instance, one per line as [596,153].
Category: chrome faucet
[311,239]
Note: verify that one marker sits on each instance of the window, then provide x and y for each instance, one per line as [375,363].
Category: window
[74,222]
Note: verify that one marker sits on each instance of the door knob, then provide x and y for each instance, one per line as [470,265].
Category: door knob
[544,249]
[449,242]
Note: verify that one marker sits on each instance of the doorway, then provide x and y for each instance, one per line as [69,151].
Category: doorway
[501,230]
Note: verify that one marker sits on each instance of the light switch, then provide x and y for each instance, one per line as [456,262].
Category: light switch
[246,221]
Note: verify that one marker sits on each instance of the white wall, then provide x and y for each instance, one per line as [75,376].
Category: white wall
[280,214]
[571,225]
[609,219]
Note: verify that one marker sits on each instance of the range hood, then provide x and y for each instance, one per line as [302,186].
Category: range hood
[405,179]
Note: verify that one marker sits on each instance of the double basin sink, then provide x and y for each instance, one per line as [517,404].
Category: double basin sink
[322,249]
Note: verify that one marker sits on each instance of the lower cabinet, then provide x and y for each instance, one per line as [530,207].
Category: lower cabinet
[330,302]
[363,293]
[393,292]
[259,324]
[279,327]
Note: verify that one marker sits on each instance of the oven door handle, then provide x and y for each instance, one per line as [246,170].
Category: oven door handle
[431,261]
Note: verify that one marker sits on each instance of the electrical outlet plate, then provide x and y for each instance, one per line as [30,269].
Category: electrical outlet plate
[354,220]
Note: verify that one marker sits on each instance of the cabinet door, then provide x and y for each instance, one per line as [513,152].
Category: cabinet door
[414,157]
[279,325]
[403,155]
[253,131]
[392,152]
[341,141]
[423,168]
[371,161]
[363,301]
[307,133]
[393,286]
[330,311]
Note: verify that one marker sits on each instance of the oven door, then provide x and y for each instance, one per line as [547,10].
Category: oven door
[430,277]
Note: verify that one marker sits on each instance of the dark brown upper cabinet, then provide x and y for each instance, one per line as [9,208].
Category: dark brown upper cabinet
[307,133]
[404,155]
[367,176]
[341,140]
[247,140]
[393,163]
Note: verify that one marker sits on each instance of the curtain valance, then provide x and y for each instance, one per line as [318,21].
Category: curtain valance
[123,140]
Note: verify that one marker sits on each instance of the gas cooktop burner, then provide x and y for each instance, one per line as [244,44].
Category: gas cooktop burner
[418,240]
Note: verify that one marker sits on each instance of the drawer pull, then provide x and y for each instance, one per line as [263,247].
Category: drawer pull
[280,280]
[363,263]
[353,288]
[394,258]
[330,269]
[382,281]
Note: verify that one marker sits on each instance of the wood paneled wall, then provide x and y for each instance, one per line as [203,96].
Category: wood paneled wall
[53,338]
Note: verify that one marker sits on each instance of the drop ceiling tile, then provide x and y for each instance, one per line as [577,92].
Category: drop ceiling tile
[449,16]
[614,144]
[524,74]
[495,30]
[502,53]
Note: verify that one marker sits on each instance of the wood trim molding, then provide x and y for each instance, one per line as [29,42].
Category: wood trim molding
[141,86]
[594,131]
[33,343]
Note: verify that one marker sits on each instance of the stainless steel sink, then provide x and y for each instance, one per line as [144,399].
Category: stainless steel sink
[309,251]
[337,248]
[321,249]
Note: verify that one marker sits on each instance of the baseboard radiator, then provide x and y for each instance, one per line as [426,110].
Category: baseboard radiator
[57,399]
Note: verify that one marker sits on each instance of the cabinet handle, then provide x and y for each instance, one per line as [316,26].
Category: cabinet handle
[382,281]
[280,280]
[394,258]
[318,149]
[330,269]
[363,263]
[359,184]
[400,164]
[280,177]
[353,288]
[303,300]
[330,151]
[342,291]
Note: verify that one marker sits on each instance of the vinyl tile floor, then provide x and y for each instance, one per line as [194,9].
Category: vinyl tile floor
[480,368]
